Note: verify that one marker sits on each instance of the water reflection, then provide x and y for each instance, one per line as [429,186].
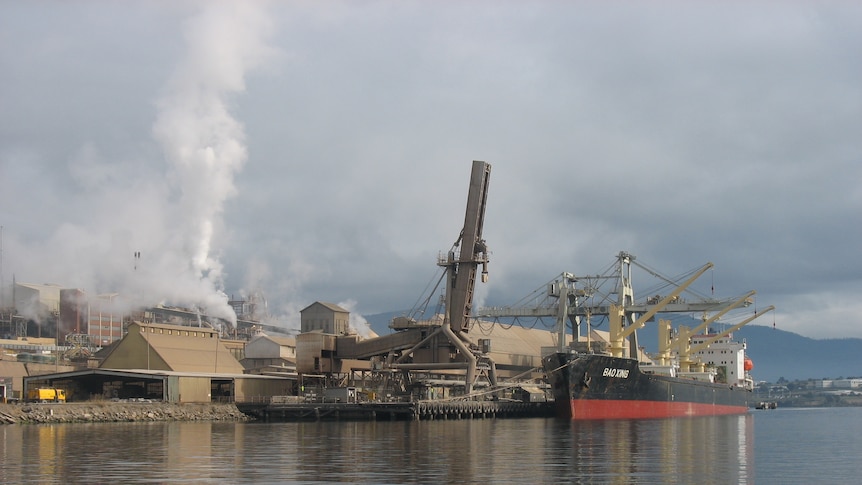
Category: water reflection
[685,450]
[507,450]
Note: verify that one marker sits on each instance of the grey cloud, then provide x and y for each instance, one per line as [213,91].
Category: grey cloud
[680,133]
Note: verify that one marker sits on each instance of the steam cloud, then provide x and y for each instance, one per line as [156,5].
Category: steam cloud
[202,142]
[164,213]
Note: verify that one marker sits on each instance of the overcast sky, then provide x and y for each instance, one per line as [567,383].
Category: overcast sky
[322,150]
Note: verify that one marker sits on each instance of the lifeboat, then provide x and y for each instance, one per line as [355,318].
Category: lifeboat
[747,364]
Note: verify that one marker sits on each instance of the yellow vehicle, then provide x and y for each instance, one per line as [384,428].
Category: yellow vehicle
[42,394]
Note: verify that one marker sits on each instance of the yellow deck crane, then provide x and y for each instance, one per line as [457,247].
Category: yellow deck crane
[570,299]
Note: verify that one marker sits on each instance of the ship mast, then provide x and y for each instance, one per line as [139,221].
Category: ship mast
[626,297]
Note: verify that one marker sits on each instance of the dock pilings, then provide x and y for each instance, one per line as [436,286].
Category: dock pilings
[386,411]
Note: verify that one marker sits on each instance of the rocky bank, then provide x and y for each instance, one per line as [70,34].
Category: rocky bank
[110,412]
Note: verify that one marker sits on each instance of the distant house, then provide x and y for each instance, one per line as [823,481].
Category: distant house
[847,383]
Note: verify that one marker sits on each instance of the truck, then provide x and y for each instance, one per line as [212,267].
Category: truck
[46,394]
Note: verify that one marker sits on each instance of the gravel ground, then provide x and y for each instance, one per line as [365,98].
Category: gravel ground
[106,412]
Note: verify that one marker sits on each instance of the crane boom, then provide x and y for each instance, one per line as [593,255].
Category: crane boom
[462,265]
[686,350]
[741,301]
[618,333]
[704,345]
[669,298]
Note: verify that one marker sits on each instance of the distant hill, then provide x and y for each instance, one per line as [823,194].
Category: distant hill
[776,353]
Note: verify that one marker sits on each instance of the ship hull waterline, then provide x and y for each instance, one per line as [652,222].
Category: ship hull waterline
[591,386]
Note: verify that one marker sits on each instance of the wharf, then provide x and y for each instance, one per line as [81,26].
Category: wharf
[394,411]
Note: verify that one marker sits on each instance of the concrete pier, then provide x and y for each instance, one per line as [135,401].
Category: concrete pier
[386,411]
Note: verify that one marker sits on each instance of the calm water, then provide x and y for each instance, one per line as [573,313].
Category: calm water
[780,446]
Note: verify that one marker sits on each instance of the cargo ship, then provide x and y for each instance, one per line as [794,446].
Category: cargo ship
[594,386]
[696,372]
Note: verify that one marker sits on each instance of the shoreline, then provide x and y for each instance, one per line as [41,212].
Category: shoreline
[115,412]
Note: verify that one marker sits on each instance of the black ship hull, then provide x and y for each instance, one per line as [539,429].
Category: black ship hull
[591,386]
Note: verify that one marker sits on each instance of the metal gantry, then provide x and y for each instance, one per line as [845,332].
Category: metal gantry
[570,299]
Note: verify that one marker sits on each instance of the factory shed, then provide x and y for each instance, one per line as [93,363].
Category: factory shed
[170,363]
[158,385]
[172,348]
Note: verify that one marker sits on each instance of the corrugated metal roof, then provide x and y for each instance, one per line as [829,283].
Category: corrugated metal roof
[194,354]
[284,341]
[173,327]
[183,349]
[36,286]
[190,374]
[144,372]
[11,368]
[331,306]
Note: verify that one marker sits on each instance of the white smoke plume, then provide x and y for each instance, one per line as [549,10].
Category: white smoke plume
[203,144]
[144,226]
[357,322]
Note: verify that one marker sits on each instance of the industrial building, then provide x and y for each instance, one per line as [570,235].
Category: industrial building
[849,383]
[268,350]
[172,348]
[451,354]
[160,385]
[270,355]
[37,301]
[170,363]
[68,315]
[97,317]
[324,317]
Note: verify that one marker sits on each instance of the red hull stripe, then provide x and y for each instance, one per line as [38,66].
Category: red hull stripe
[625,409]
